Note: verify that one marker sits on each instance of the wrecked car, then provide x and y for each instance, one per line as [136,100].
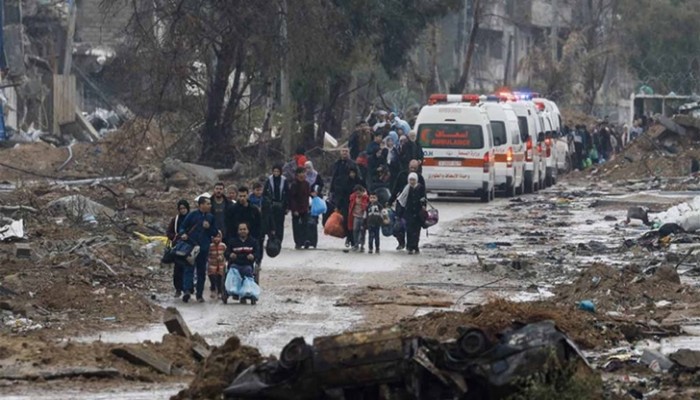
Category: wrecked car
[382,364]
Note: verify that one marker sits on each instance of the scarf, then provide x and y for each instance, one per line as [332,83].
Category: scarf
[311,175]
[403,197]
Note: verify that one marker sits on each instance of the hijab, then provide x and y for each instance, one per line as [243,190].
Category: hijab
[403,197]
[311,174]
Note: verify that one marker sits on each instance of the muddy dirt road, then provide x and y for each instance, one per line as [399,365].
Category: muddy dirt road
[302,287]
[315,292]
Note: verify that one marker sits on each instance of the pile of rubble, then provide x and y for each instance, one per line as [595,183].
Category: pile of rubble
[669,149]
[180,354]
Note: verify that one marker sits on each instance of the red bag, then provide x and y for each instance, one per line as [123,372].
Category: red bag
[334,225]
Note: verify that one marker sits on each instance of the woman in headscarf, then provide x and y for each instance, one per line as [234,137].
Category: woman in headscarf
[314,179]
[183,208]
[316,184]
[413,202]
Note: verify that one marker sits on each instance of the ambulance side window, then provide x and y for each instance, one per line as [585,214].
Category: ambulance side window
[516,136]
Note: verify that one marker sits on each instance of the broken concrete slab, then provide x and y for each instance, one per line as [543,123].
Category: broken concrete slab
[15,230]
[197,174]
[671,125]
[140,356]
[23,250]
[80,206]
[200,351]
[686,358]
[175,323]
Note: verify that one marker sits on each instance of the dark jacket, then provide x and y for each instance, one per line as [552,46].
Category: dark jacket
[242,249]
[318,186]
[299,194]
[174,226]
[414,204]
[401,182]
[354,143]
[221,220]
[194,228]
[341,170]
[239,213]
[280,200]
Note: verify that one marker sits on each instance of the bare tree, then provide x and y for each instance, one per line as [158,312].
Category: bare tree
[461,84]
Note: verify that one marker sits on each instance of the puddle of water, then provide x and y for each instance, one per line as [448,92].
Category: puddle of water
[522,297]
[158,392]
[269,325]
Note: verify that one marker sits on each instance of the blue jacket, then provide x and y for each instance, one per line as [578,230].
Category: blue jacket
[193,227]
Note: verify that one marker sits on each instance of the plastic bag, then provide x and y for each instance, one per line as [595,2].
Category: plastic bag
[273,247]
[318,206]
[334,225]
[593,154]
[233,281]
[249,289]
[431,217]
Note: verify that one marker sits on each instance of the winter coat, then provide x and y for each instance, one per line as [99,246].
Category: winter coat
[401,181]
[374,215]
[299,194]
[269,192]
[340,186]
[364,199]
[318,186]
[193,227]
[414,205]
[174,226]
[238,214]
[221,220]
[242,248]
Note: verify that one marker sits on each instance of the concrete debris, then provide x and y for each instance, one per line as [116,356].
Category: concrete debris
[15,230]
[23,250]
[182,174]
[685,215]
[142,356]
[688,359]
[21,325]
[34,374]
[175,323]
[81,207]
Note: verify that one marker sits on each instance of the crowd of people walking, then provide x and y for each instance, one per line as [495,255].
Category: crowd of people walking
[375,182]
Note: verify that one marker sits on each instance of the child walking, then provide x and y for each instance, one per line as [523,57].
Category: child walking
[374,222]
[217,264]
[357,212]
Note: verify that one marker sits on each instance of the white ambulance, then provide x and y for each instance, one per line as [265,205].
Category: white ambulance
[455,134]
[529,124]
[508,146]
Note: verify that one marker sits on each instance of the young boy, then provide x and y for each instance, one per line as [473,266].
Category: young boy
[374,221]
[256,198]
[357,211]
[217,264]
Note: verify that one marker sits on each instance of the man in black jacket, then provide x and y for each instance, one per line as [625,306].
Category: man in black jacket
[219,205]
[341,187]
[275,194]
[243,212]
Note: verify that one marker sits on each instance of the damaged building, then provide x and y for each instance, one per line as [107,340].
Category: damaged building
[53,54]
